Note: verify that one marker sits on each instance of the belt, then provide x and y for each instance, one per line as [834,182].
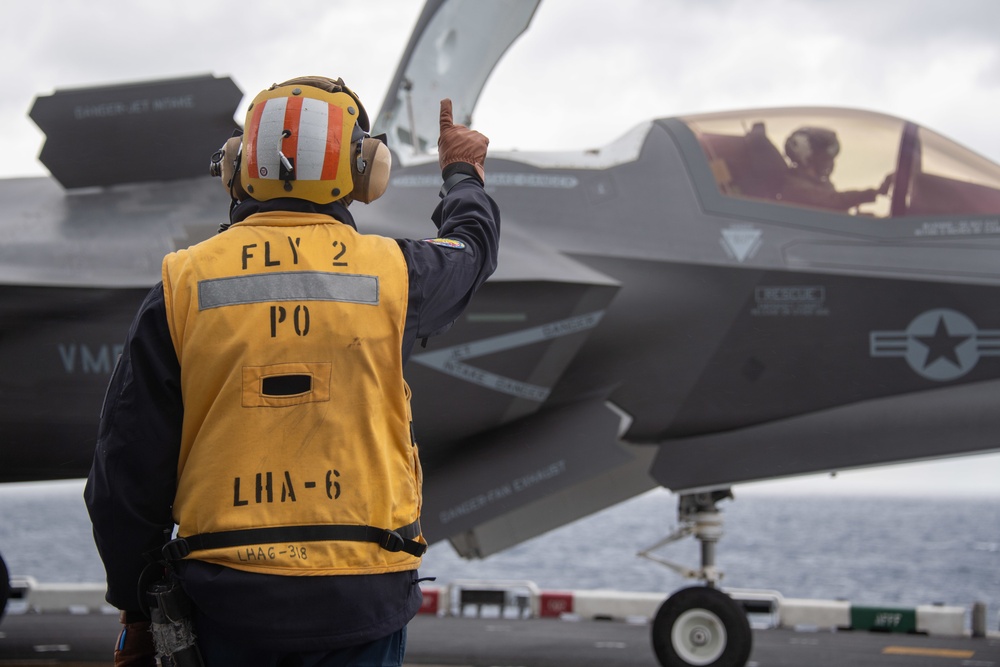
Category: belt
[400,539]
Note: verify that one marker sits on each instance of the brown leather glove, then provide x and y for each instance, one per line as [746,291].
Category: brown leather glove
[135,645]
[457,143]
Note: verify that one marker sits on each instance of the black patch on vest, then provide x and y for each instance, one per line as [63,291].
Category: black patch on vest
[285,385]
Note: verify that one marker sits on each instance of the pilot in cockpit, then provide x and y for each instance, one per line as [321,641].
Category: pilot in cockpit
[812,151]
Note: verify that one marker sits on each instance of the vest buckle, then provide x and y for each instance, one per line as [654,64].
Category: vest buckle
[391,541]
[176,550]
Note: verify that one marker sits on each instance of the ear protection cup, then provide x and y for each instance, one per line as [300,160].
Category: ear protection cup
[370,169]
[226,164]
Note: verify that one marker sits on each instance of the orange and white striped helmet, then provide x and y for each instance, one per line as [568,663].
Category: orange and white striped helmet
[297,140]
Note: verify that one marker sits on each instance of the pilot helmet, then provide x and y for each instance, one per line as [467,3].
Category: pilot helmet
[813,148]
[306,138]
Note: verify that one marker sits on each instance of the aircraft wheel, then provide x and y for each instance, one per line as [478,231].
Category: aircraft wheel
[701,627]
[4,586]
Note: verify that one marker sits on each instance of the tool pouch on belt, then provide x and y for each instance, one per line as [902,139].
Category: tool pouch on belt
[173,633]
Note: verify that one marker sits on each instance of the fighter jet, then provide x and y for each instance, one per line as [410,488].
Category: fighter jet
[693,306]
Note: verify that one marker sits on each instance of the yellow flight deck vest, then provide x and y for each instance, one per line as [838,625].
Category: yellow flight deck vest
[296,454]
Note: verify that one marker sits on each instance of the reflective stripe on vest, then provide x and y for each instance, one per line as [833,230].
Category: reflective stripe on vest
[294,286]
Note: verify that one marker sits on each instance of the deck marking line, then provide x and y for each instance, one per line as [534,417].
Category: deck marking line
[929,652]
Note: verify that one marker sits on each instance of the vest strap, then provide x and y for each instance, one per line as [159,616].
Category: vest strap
[400,539]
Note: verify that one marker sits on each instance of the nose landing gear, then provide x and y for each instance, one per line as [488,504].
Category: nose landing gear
[699,626]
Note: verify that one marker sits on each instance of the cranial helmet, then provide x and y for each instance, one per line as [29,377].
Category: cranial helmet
[813,147]
[306,138]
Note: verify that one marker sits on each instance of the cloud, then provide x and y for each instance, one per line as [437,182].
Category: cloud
[53,44]
[913,60]
[583,74]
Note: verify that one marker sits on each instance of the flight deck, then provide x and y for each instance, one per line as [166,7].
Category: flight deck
[86,640]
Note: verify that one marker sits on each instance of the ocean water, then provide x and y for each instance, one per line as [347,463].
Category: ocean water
[873,550]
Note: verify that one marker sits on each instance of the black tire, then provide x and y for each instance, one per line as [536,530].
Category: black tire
[701,627]
[4,586]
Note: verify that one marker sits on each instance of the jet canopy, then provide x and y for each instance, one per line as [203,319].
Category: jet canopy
[928,175]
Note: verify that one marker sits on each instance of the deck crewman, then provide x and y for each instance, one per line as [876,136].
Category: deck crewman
[259,411]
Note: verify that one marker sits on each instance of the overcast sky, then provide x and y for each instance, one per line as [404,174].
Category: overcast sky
[933,62]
